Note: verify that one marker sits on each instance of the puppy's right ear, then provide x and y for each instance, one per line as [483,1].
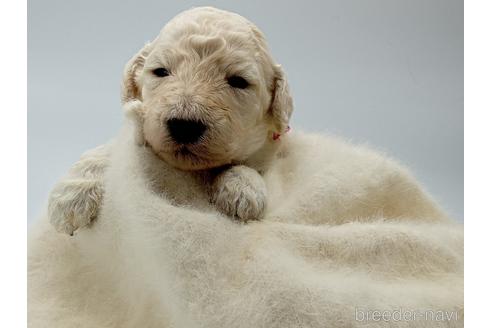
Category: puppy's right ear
[131,87]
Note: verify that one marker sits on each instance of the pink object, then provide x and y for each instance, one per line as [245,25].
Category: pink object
[276,135]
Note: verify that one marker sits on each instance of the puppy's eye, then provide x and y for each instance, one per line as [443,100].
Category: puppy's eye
[237,82]
[160,72]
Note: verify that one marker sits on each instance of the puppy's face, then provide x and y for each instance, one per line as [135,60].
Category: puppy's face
[207,86]
[206,101]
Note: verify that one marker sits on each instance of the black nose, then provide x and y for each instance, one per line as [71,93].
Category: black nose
[185,131]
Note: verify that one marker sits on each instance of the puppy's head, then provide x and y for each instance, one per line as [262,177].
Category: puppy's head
[211,93]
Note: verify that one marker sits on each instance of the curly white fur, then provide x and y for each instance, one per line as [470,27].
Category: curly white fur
[344,228]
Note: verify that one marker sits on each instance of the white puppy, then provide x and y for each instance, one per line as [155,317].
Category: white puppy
[210,100]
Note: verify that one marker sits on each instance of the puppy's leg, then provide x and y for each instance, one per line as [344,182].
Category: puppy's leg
[75,200]
[240,192]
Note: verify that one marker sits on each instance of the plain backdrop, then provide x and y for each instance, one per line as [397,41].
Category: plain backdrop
[388,73]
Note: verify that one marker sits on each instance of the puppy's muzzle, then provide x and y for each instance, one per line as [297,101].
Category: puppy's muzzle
[185,131]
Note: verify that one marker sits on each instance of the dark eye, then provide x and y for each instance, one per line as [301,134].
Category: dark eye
[160,72]
[237,82]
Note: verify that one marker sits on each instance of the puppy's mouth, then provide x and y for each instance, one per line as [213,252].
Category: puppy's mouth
[185,157]
[184,152]
[195,157]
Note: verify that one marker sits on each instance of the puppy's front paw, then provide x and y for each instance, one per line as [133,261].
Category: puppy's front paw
[240,192]
[74,204]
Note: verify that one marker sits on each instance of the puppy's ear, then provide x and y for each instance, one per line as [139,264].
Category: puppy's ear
[281,107]
[131,88]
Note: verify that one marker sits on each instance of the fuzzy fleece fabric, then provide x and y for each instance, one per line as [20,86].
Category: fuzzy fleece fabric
[349,239]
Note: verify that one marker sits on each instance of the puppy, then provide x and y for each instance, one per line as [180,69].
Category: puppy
[208,99]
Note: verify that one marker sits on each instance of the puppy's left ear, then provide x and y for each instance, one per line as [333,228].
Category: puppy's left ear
[282,106]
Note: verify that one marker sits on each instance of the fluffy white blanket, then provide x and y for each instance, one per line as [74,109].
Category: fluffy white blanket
[348,240]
